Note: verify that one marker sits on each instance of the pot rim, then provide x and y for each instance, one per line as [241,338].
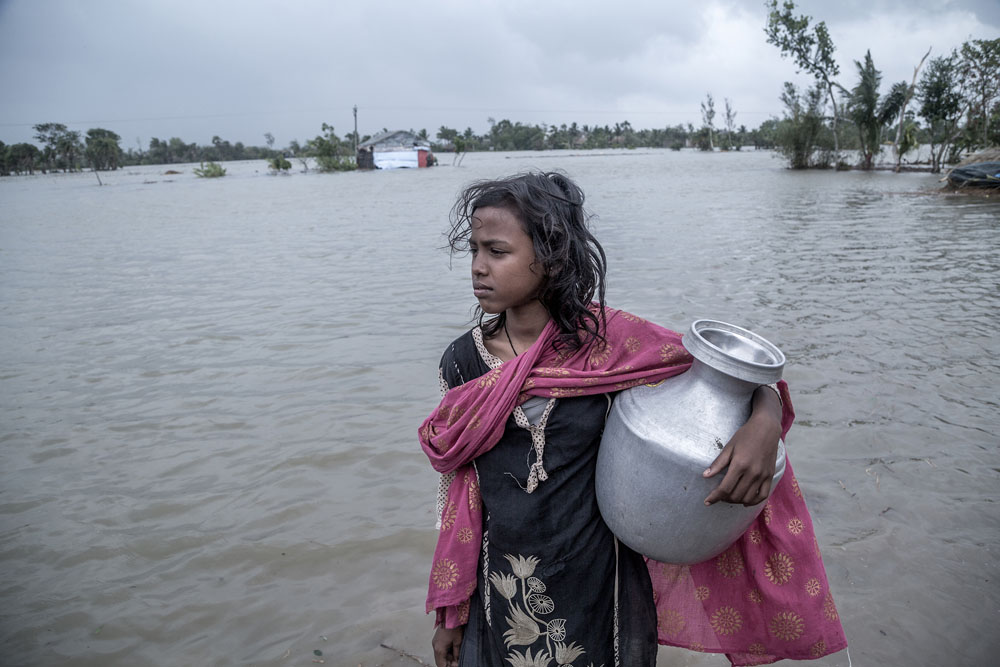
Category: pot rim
[725,361]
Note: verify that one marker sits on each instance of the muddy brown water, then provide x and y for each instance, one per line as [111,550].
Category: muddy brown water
[210,390]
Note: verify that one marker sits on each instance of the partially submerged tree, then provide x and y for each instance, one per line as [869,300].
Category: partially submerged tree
[811,49]
[980,69]
[460,148]
[279,164]
[870,112]
[331,152]
[61,147]
[103,150]
[797,135]
[23,158]
[942,104]
[210,170]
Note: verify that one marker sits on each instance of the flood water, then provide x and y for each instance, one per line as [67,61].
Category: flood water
[210,391]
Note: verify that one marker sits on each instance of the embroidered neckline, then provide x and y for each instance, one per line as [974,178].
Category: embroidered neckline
[536,472]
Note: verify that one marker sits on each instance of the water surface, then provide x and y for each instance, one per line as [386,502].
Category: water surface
[210,391]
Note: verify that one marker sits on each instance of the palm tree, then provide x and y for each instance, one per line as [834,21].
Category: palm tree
[870,113]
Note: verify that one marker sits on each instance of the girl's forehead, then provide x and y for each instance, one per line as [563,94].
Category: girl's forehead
[496,218]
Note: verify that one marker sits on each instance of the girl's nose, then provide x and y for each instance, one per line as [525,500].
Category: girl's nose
[478,267]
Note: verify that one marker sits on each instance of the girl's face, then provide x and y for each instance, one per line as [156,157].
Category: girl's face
[505,274]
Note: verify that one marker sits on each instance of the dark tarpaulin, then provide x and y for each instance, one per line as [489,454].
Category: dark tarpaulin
[980,175]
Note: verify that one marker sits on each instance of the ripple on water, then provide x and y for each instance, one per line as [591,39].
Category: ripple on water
[208,449]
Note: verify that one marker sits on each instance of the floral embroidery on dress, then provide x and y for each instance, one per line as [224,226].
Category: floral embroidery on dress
[787,625]
[779,568]
[445,573]
[726,620]
[528,603]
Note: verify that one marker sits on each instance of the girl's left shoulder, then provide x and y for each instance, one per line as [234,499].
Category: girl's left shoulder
[622,320]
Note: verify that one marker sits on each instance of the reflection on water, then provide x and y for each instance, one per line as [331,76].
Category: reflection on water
[210,392]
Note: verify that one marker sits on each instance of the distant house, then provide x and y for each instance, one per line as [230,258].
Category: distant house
[394,150]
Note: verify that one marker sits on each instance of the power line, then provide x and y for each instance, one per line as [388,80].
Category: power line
[485,110]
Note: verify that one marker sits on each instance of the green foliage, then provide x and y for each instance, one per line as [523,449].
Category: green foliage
[993,138]
[812,50]
[766,135]
[328,163]
[798,135]
[23,158]
[331,152]
[870,112]
[175,150]
[278,164]
[908,137]
[210,170]
[61,147]
[980,69]
[103,152]
[702,139]
[447,134]
[942,104]
[507,136]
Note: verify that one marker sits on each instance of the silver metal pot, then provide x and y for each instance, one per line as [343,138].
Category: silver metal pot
[659,439]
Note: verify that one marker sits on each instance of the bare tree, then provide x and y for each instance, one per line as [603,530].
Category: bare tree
[708,117]
[902,111]
[730,124]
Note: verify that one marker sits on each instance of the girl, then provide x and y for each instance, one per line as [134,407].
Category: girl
[525,571]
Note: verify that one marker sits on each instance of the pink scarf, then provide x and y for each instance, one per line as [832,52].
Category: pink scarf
[741,603]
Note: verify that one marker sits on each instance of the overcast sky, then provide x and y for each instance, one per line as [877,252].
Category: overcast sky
[240,68]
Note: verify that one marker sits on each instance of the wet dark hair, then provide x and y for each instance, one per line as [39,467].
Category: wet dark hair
[550,208]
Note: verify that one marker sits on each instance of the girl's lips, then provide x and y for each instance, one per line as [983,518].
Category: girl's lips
[480,291]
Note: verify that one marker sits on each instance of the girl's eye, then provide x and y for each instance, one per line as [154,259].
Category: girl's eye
[496,252]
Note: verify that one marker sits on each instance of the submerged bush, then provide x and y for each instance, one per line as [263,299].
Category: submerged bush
[335,163]
[802,136]
[210,170]
[278,164]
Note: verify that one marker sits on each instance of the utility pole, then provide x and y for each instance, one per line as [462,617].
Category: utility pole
[355,129]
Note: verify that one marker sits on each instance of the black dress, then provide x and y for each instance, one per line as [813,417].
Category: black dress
[552,579]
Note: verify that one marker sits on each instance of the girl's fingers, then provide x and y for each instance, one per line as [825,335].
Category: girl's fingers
[720,462]
[765,491]
[745,491]
[725,488]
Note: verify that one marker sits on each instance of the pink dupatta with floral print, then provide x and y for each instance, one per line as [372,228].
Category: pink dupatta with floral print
[763,599]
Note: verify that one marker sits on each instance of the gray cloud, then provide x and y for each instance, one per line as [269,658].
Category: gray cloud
[239,69]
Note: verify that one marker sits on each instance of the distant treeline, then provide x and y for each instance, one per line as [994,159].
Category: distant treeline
[100,149]
[63,149]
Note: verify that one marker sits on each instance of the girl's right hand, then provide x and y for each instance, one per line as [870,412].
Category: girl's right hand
[446,644]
